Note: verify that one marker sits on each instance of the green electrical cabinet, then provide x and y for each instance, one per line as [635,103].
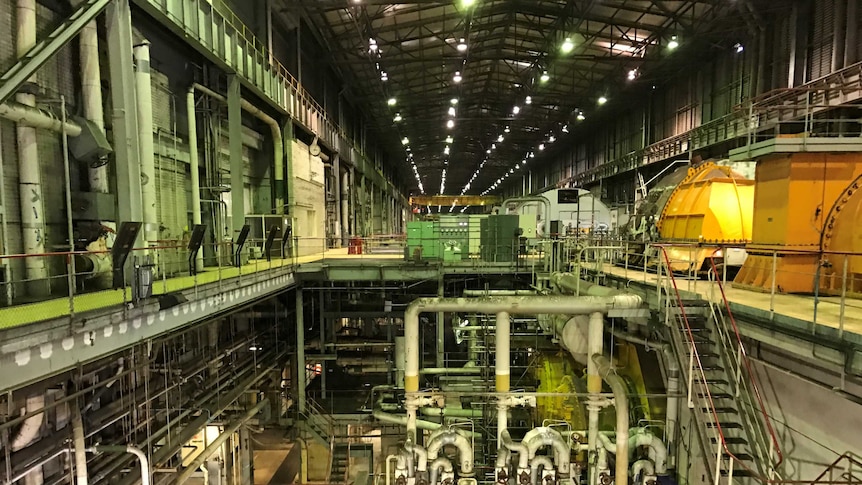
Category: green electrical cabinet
[500,238]
[424,237]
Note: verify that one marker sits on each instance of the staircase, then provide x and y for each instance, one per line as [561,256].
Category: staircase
[734,428]
[318,425]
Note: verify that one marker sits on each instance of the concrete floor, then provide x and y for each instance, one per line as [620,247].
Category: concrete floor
[829,309]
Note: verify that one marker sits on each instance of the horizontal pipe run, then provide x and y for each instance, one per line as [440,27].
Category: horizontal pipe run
[37,118]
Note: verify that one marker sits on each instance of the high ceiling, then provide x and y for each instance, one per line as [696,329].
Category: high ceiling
[408,53]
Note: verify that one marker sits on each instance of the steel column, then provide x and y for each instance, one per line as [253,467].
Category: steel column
[124,114]
[234,120]
[300,353]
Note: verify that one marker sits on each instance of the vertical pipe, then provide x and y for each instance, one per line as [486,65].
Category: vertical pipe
[300,353]
[237,182]
[91,94]
[146,143]
[441,327]
[400,361]
[194,167]
[29,174]
[82,477]
[595,345]
[502,370]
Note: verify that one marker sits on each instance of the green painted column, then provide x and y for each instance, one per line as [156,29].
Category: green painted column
[237,182]
[300,353]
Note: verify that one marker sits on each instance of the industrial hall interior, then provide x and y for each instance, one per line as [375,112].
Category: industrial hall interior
[431,242]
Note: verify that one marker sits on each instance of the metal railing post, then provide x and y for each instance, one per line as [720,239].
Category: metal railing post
[717,478]
[774,284]
[691,380]
[843,297]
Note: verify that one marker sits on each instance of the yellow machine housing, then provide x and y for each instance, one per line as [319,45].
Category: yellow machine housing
[794,192]
[842,235]
[712,205]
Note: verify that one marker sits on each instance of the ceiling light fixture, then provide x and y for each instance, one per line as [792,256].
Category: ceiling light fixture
[739,48]
[633,74]
[457,77]
[453,101]
[602,100]
[391,101]
[500,138]
[545,77]
[674,43]
[448,139]
[506,130]
[516,110]
[565,129]
[529,100]
[383,76]
[568,46]
[451,111]
[405,141]
[397,117]
[450,124]
[581,116]
[462,45]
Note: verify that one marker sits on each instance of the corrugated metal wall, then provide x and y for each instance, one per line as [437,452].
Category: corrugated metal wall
[709,92]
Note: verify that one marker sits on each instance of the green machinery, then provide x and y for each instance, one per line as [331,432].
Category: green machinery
[500,238]
[454,238]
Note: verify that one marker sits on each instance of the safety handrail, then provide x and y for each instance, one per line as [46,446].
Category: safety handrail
[722,441]
[745,360]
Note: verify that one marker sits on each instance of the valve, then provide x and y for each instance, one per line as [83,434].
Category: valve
[605,479]
[524,478]
[502,476]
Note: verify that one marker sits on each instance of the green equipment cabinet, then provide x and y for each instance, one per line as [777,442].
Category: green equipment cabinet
[423,238]
[500,238]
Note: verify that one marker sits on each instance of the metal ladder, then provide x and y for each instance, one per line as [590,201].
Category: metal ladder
[735,430]
[39,54]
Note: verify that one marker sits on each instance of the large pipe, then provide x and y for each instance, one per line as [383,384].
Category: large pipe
[621,404]
[499,292]
[535,305]
[438,464]
[277,141]
[194,167]
[539,198]
[658,451]
[218,442]
[451,412]
[595,344]
[501,368]
[519,448]
[401,420]
[36,118]
[80,447]
[552,438]
[32,426]
[29,173]
[539,462]
[142,458]
[144,90]
[644,466]
[91,95]
[465,451]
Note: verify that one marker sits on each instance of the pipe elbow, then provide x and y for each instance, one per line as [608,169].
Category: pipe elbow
[519,448]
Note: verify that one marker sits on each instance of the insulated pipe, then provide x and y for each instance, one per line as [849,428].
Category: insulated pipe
[595,344]
[451,412]
[645,466]
[218,442]
[194,167]
[400,359]
[534,305]
[91,94]
[539,461]
[673,388]
[36,118]
[277,141]
[542,199]
[550,437]
[29,174]
[658,451]
[571,283]
[519,448]
[80,447]
[621,404]
[498,293]
[502,462]
[31,426]
[142,458]
[503,357]
[436,466]
[144,90]
[414,449]
[465,451]
[402,420]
